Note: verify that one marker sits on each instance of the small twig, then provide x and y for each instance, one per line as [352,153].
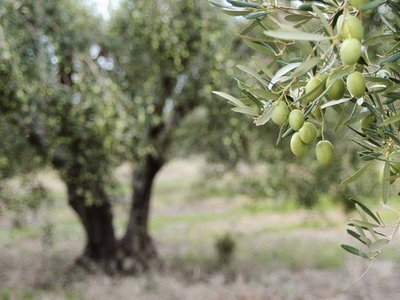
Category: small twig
[366,271]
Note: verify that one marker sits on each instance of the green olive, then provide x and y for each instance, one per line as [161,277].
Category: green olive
[356,84]
[280,114]
[366,122]
[350,51]
[314,88]
[350,27]
[298,147]
[324,152]
[308,133]
[296,119]
[337,89]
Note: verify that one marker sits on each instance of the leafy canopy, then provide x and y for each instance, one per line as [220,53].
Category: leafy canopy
[328,56]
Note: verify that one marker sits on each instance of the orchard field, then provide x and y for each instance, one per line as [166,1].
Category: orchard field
[281,251]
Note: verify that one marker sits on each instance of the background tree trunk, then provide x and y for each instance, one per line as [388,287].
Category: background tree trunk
[137,243]
[97,221]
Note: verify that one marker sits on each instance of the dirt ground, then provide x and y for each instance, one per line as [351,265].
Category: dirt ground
[279,254]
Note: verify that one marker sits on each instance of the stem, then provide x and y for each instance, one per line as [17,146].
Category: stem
[366,271]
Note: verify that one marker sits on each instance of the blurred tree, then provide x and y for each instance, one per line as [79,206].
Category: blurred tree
[168,57]
[58,101]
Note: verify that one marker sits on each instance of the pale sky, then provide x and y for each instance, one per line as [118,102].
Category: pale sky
[102,6]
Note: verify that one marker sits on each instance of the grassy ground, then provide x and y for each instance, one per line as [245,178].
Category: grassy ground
[280,252]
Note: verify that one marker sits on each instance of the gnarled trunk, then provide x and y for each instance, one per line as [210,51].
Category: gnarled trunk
[97,221]
[137,245]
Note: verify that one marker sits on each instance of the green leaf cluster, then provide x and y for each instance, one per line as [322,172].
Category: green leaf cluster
[306,47]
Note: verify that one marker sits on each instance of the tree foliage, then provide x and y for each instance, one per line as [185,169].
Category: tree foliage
[327,57]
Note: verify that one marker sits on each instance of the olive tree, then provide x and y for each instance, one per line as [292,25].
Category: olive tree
[328,58]
[57,101]
[86,97]
[168,57]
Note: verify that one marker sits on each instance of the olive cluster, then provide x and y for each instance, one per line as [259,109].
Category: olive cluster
[305,134]
[352,32]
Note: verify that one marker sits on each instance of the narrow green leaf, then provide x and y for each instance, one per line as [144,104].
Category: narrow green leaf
[378,39]
[377,79]
[286,69]
[232,99]
[356,235]
[362,234]
[357,174]
[395,95]
[354,251]
[341,118]
[260,47]
[365,240]
[387,23]
[253,73]
[363,215]
[243,4]
[235,12]
[367,155]
[263,67]
[363,223]
[246,110]
[284,128]
[386,183]
[288,132]
[297,18]
[390,59]
[249,28]
[366,209]
[394,67]
[253,98]
[350,249]
[306,66]
[378,245]
[267,95]
[335,102]
[266,115]
[372,5]
[295,35]
[308,7]
[257,14]
[356,118]
[374,111]
[391,120]
[322,18]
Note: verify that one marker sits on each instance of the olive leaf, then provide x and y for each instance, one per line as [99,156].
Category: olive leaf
[295,35]
[354,251]
[357,174]
[232,99]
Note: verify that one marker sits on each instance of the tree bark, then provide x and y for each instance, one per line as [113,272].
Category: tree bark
[137,243]
[97,220]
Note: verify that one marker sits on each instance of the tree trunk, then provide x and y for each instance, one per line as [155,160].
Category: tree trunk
[97,220]
[137,245]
